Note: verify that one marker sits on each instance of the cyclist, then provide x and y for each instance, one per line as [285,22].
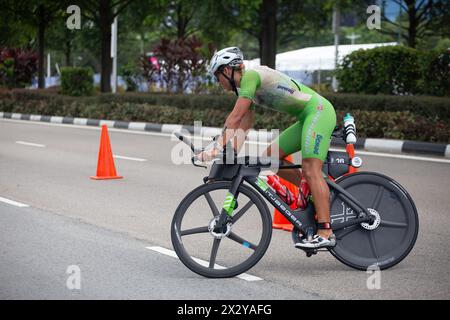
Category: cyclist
[311,133]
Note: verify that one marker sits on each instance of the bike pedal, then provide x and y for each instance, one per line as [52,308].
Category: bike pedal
[309,253]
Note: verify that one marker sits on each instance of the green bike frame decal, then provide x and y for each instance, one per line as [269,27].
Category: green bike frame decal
[262,184]
[229,203]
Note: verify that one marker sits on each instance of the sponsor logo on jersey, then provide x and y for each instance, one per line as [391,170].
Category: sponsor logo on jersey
[291,91]
[317,143]
[310,132]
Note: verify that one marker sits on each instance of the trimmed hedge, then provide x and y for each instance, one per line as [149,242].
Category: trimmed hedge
[395,70]
[77,81]
[431,107]
[212,110]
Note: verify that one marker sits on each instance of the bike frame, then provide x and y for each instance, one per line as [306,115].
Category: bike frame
[250,174]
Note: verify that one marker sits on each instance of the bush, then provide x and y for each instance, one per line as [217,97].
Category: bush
[17,67]
[129,73]
[436,74]
[177,63]
[395,70]
[388,119]
[426,106]
[429,107]
[77,81]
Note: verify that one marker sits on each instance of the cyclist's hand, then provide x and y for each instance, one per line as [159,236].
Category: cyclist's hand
[208,155]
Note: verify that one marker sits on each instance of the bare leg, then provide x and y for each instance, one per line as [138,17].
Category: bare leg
[312,170]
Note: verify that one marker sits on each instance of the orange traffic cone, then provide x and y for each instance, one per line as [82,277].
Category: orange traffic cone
[279,221]
[105,166]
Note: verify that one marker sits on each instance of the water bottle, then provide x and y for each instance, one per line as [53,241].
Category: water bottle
[303,194]
[283,192]
[349,129]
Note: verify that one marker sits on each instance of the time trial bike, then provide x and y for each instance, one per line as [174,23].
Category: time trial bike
[223,227]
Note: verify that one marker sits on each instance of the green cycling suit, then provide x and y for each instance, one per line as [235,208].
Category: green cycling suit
[316,116]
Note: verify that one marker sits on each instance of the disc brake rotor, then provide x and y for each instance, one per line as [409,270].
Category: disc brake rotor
[219,235]
[375,224]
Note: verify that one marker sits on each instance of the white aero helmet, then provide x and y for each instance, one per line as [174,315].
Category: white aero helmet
[231,56]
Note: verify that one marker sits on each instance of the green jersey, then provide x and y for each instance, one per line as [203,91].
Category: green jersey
[272,89]
[316,118]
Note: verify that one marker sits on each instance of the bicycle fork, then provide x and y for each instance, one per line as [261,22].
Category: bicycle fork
[226,214]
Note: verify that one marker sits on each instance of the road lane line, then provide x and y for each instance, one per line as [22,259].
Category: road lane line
[14,203]
[129,158]
[170,135]
[31,144]
[171,253]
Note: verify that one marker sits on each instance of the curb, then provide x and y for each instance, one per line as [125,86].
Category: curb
[367,144]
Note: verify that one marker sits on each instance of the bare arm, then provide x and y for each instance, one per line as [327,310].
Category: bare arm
[245,125]
[241,117]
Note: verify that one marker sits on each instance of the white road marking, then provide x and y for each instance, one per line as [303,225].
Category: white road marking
[127,131]
[31,144]
[129,158]
[14,203]
[171,253]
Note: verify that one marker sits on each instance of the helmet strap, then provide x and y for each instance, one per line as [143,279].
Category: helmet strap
[231,80]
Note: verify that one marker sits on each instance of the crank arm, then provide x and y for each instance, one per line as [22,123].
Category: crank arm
[351,222]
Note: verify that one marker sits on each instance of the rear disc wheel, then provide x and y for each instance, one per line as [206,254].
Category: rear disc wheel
[391,235]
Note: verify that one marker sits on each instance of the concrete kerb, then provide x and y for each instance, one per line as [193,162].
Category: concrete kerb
[368,144]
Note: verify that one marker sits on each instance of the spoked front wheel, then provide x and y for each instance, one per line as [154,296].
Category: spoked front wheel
[391,236]
[228,253]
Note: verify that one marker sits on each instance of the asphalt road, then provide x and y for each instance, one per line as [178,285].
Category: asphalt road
[42,253]
[105,227]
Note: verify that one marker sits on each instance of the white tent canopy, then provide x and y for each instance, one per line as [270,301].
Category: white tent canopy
[314,58]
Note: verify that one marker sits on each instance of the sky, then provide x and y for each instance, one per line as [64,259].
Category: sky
[391,9]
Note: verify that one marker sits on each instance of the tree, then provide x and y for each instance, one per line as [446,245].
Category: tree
[257,18]
[276,22]
[102,13]
[423,18]
[181,19]
[62,39]
[180,62]
[38,14]
[268,35]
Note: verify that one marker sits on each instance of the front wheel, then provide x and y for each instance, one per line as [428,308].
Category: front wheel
[390,238]
[236,249]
